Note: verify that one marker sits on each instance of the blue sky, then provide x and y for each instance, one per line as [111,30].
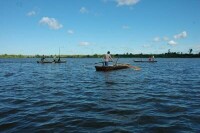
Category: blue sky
[95,26]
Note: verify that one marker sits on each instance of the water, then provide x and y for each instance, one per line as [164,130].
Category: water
[73,97]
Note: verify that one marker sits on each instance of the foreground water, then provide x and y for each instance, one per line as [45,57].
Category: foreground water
[73,97]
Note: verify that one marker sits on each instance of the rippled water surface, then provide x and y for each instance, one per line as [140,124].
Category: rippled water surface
[73,97]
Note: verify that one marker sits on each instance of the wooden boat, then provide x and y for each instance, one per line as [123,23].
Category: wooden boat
[44,62]
[145,61]
[110,68]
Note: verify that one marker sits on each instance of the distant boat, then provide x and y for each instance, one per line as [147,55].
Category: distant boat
[110,68]
[44,62]
[145,61]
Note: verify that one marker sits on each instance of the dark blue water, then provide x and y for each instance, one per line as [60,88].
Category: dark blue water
[73,97]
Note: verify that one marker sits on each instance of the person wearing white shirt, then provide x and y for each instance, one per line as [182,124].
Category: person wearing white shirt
[107,58]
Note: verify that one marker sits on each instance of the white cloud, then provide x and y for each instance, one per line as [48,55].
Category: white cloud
[146,46]
[31,13]
[156,39]
[165,38]
[51,22]
[126,2]
[70,32]
[172,43]
[125,27]
[84,43]
[181,35]
[83,10]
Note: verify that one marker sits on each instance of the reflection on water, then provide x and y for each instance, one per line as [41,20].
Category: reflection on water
[73,97]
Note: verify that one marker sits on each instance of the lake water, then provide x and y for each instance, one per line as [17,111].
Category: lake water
[73,97]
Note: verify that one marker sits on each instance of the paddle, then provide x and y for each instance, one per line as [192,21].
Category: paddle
[98,62]
[117,59]
[135,68]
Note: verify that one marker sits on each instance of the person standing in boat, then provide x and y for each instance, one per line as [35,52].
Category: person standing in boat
[59,59]
[107,58]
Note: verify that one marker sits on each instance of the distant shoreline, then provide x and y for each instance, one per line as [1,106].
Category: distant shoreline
[127,55]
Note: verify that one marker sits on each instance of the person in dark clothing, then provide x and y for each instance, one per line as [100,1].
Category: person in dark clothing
[42,59]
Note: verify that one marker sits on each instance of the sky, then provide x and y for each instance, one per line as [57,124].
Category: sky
[31,27]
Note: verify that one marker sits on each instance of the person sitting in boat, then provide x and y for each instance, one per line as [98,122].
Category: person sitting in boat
[107,58]
[42,59]
[149,58]
[152,58]
[54,58]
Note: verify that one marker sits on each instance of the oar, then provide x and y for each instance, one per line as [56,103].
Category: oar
[134,67]
[116,60]
[99,62]
[46,59]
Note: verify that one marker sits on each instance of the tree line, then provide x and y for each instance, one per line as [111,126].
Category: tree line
[169,54]
[125,55]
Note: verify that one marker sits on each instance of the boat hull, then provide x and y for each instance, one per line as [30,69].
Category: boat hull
[48,62]
[110,68]
[144,61]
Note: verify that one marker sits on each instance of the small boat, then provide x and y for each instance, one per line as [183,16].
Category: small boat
[44,62]
[145,61]
[110,68]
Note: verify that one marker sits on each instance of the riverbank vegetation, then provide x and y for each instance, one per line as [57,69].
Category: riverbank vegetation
[125,55]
